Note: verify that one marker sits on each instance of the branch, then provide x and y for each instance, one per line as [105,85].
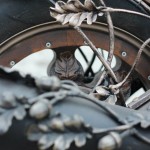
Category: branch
[108,9]
[106,65]
[114,87]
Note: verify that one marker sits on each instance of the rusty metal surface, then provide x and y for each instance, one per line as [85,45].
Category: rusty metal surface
[35,40]
[74,13]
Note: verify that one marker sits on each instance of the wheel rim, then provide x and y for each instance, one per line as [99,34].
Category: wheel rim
[58,36]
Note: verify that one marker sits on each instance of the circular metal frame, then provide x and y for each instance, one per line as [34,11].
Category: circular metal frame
[56,36]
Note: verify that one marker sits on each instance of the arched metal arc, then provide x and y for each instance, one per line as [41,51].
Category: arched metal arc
[35,39]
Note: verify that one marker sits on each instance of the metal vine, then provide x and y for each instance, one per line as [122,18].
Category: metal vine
[74,13]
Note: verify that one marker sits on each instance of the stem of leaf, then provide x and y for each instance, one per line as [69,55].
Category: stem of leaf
[105,63]
[109,9]
[133,66]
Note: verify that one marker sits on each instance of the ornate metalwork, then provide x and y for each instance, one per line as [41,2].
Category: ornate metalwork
[38,98]
[75,13]
[66,66]
[60,131]
[55,128]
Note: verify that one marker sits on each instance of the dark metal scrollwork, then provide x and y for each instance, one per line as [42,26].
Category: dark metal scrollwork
[53,128]
[73,12]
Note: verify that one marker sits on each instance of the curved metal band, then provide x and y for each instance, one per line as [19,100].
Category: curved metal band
[35,39]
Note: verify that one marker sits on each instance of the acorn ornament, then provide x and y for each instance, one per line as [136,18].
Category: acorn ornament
[112,141]
[40,109]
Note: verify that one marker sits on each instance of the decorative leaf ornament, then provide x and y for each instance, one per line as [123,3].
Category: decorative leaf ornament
[74,12]
[10,107]
[60,131]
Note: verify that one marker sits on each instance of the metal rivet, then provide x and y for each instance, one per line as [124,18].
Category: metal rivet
[48,44]
[12,63]
[149,77]
[85,43]
[124,54]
